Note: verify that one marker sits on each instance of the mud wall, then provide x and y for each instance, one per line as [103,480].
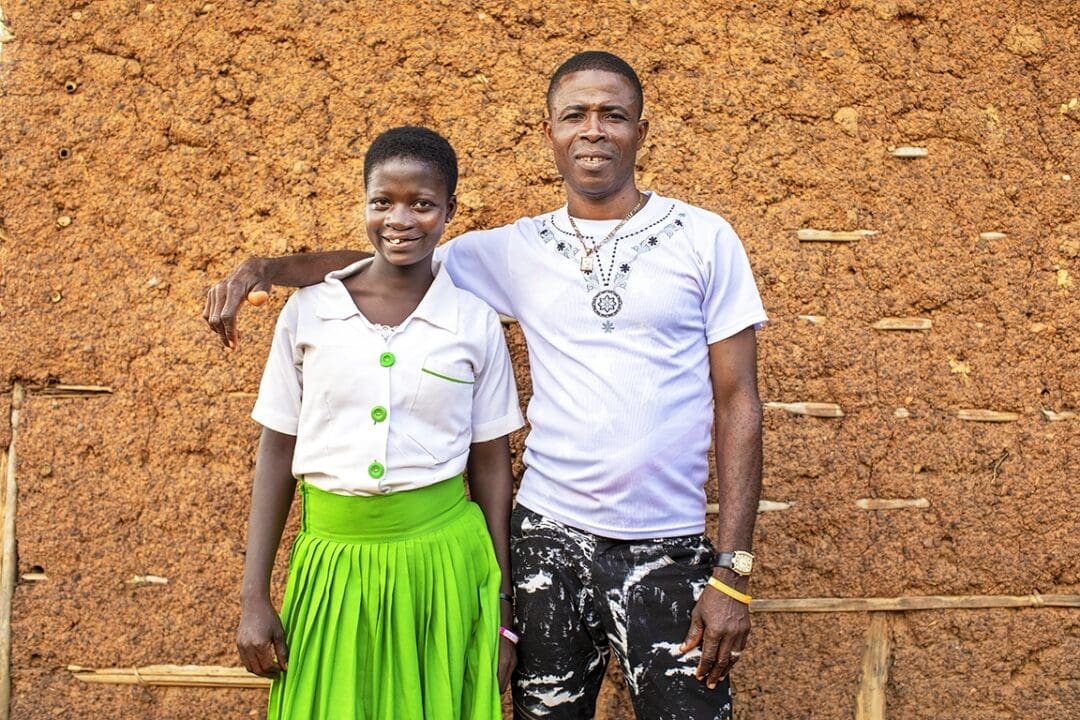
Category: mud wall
[146,148]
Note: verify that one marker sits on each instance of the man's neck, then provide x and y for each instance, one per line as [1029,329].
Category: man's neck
[613,207]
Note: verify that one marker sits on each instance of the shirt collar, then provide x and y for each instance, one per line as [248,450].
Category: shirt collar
[647,212]
[439,305]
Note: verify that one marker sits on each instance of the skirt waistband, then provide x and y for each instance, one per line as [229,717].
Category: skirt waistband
[375,518]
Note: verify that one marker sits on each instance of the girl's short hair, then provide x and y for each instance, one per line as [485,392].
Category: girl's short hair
[414,143]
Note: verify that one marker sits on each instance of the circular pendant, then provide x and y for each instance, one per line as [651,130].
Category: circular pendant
[606,303]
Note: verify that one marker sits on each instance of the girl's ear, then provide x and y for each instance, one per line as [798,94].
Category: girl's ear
[451,208]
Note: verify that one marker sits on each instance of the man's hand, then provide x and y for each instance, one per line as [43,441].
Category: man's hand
[223,300]
[261,640]
[254,277]
[721,625]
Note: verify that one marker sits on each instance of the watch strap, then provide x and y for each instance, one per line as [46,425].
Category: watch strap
[742,566]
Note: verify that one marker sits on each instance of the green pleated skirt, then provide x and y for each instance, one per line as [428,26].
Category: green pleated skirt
[391,609]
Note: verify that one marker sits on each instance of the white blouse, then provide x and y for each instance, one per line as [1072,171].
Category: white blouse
[374,415]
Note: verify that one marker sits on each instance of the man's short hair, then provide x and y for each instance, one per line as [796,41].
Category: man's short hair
[411,142]
[596,60]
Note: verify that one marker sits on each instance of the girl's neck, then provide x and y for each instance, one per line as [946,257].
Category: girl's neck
[387,294]
[382,277]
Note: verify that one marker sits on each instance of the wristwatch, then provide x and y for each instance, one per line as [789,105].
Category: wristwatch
[739,562]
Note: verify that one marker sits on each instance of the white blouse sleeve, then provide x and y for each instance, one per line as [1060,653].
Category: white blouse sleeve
[278,404]
[496,410]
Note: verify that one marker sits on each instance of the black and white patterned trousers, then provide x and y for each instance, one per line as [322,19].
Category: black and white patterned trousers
[579,596]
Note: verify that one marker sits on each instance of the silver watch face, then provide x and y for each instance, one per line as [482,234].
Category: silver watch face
[742,562]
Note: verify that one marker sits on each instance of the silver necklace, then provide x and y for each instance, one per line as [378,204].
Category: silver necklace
[587,259]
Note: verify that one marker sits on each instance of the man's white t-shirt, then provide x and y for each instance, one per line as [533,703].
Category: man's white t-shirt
[622,407]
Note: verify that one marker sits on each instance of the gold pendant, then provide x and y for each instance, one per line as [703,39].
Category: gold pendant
[586,263]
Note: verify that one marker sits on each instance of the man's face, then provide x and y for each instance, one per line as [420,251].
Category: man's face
[595,132]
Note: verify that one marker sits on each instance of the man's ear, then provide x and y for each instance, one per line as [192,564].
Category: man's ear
[643,131]
[451,208]
[545,127]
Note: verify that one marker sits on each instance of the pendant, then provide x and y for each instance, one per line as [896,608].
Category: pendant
[606,303]
[586,263]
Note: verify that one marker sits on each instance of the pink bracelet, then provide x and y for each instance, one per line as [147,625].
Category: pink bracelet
[509,634]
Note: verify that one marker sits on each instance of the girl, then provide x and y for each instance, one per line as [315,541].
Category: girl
[383,383]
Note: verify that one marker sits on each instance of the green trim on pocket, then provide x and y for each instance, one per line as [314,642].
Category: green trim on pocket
[445,377]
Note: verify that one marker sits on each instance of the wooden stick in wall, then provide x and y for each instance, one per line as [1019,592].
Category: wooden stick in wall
[147,580]
[870,702]
[3,479]
[1058,416]
[891,503]
[978,415]
[813,409]
[815,235]
[910,151]
[70,391]
[762,506]
[7,559]
[917,602]
[903,323]
[172,675]
[220,676]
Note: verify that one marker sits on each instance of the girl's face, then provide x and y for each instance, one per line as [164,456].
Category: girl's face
[407,209]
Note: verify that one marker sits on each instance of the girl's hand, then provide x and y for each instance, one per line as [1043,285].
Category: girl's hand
[261,640]
[507,662]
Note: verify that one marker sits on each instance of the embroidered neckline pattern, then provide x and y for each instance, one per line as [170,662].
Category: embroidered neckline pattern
[570,233]
[602,286]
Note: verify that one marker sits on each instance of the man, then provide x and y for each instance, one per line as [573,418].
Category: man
[639,313]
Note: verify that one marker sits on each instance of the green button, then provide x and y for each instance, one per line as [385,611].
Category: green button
[376,470]
[378,413]
[386,359]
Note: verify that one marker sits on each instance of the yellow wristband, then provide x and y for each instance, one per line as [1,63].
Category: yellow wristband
[730,592]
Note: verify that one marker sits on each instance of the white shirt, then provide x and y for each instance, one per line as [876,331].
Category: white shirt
[622,408]
[375,416]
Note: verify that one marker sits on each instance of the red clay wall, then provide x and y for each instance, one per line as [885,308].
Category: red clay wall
[199,133]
